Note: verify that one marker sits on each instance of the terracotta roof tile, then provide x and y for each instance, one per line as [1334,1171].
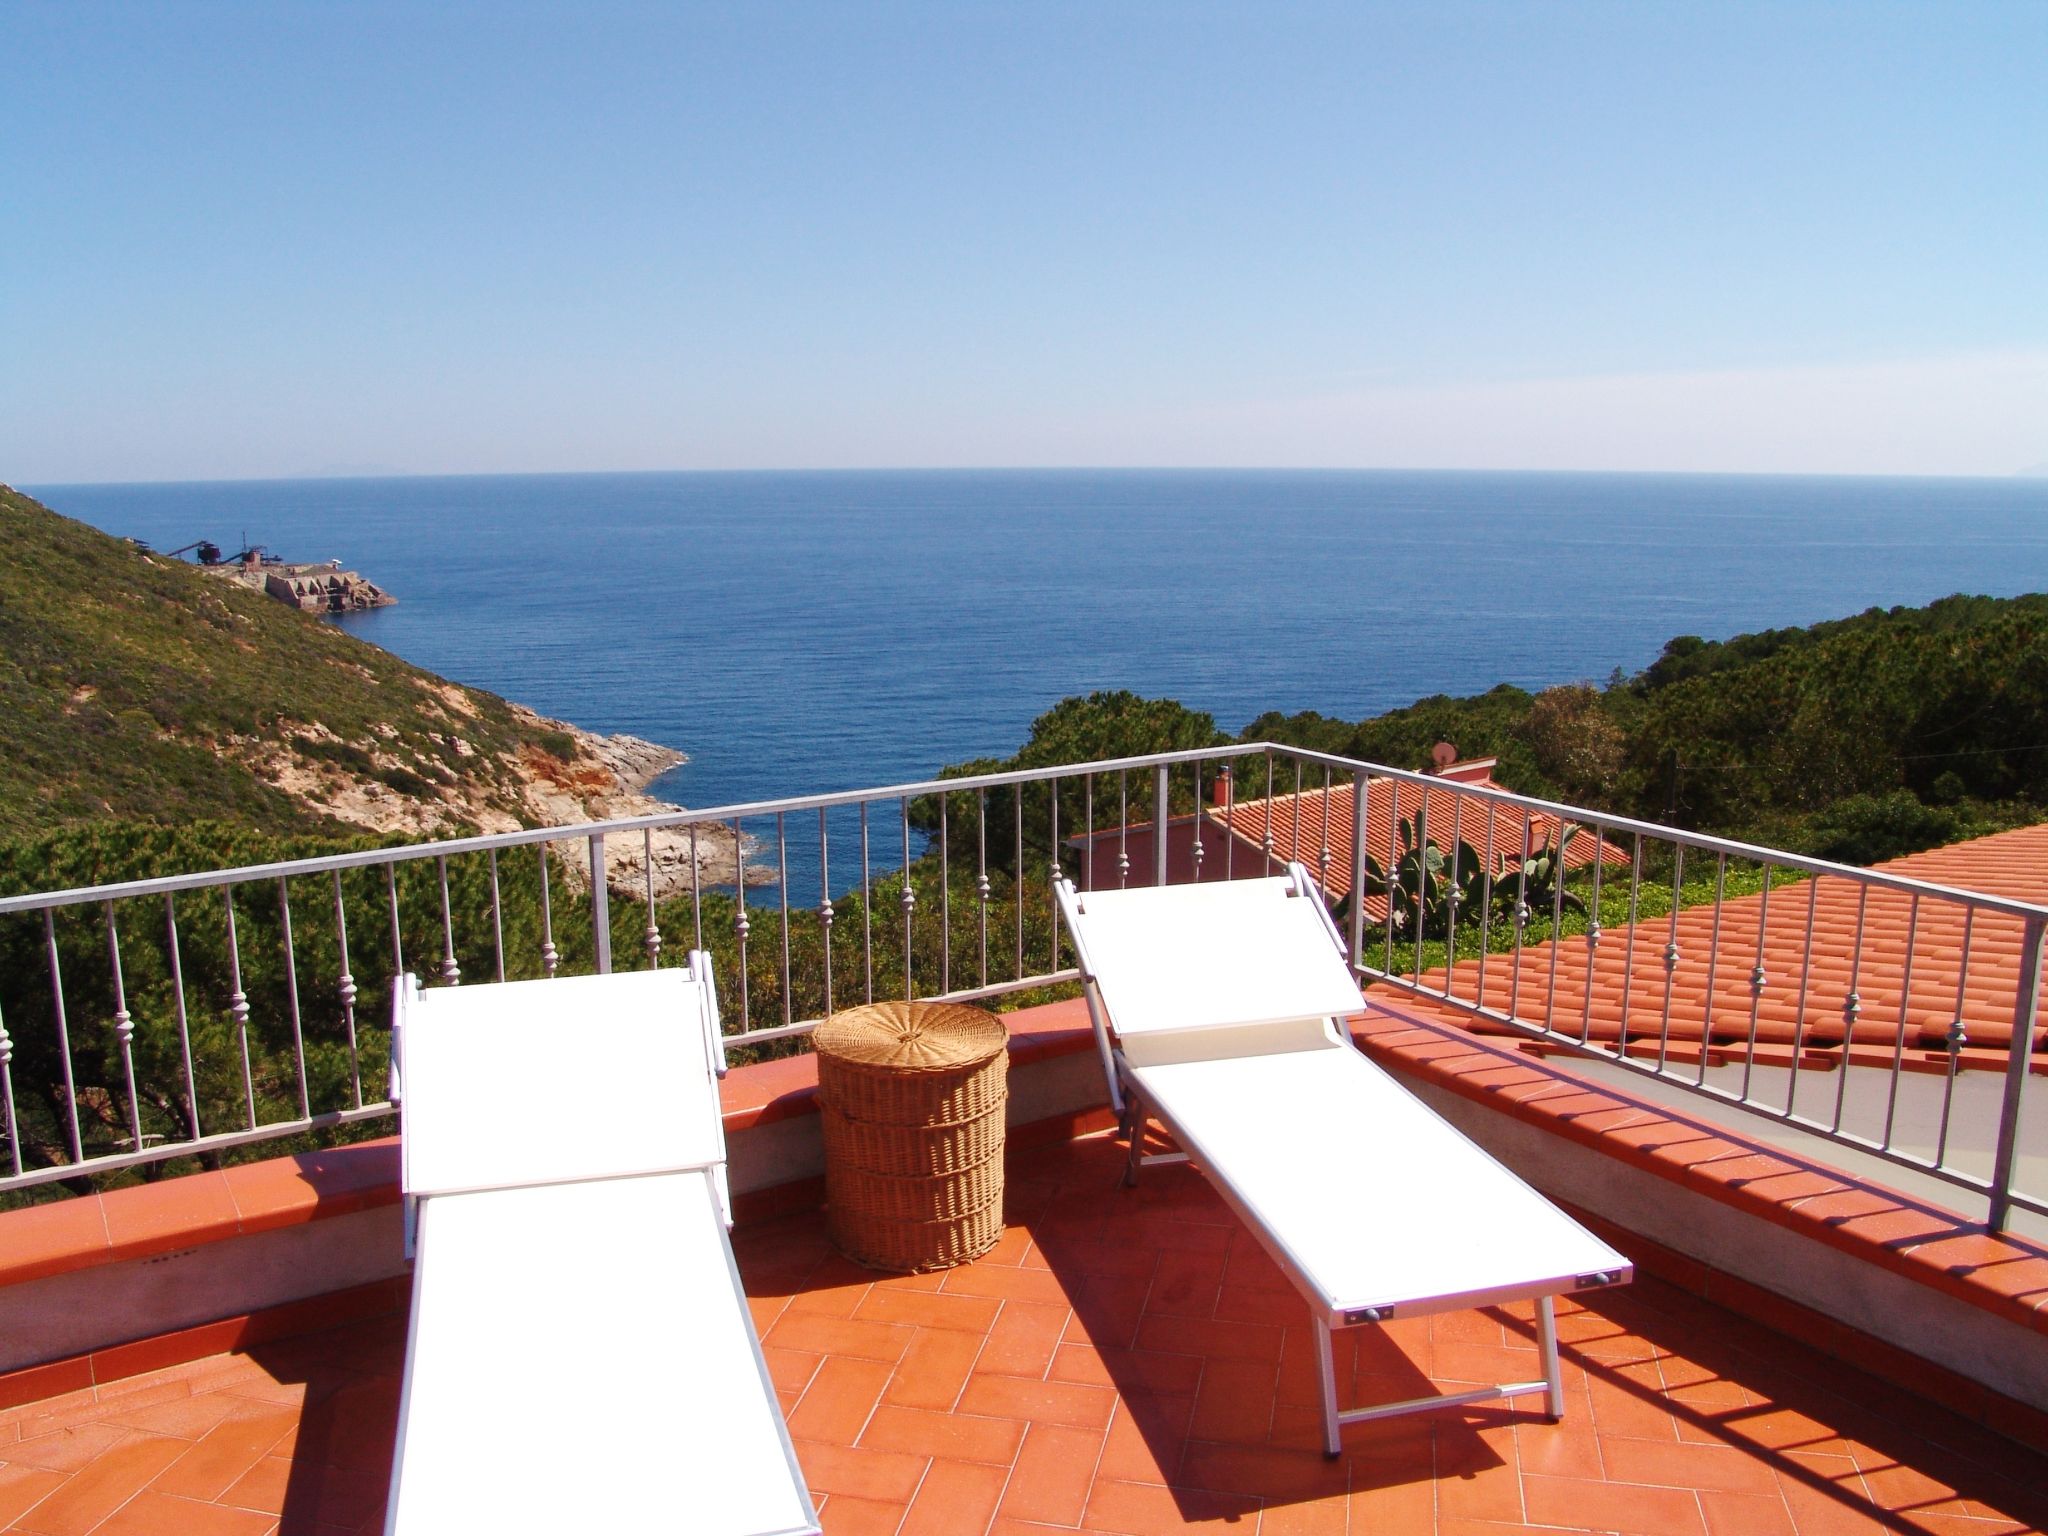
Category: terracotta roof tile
[1316,827]
[1910,977]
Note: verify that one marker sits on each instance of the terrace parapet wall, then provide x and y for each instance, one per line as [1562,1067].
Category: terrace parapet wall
[103,1286]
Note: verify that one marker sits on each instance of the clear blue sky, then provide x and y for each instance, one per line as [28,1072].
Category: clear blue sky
[284,239]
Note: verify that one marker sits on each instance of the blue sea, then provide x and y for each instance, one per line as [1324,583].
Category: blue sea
[801,632]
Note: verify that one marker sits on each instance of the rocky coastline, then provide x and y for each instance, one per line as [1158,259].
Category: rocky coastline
[579,776]
[701,853]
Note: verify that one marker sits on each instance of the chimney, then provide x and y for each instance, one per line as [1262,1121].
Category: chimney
[1220,795]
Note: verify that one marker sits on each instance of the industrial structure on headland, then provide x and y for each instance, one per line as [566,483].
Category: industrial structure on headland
[317,587]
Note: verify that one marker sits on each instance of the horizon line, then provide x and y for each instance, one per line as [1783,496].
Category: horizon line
[2030,473]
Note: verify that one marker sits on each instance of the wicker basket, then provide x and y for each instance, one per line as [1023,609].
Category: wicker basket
[911,1097]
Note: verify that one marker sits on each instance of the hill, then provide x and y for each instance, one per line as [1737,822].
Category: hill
[1860,738]
[136,688]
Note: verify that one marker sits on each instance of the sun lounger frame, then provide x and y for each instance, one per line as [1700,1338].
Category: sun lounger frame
[1136,1107]
[637,1192]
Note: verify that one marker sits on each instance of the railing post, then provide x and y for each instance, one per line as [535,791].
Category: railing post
[2019,1057]
[1159,814]
[1357,935]
[601,908]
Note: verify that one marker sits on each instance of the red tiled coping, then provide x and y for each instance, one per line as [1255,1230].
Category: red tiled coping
[2003,1275]
[148,1219]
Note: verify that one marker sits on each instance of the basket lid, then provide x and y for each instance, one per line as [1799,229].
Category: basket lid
[911,1037]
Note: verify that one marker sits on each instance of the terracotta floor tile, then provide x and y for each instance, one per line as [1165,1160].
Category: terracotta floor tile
[1023,1340]
[1452,1525]
[66,1450]
[1628,1402]
[1041,1402]
[262,1487]
[1080,1363]
[1567,1449]
[1390,1502]
[22,1488]
[95,1491]
[1315,1517]
[1627,1508]
[1198,1336]
[1144,1372]
[1720,1468]
[888,1476]
[1264,1472]
[1147,1439]
[50,1411]
[929,1309]
[1010,1248]
[933,1369]
[1186,1284]
[835,1407]
[1746,1514]
[1234,1400]
[955,1499]
[1069,1256]
[1055,1470]
[959,1436]
[151,1513]
[790,1369]
[845,1515]
[1108,1309]
[182,1418]
[1457,1362]
[1818,1512]
[1477,1479]
[840,1336]
[1144,1509]
[1012,1283]
[224,1454]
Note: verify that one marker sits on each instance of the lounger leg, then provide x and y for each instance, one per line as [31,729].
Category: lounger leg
[1136,1134]
[1553,1373]
[1326,1368]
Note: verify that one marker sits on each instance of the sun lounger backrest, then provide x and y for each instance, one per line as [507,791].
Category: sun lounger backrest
[1236,956]
[542,1082]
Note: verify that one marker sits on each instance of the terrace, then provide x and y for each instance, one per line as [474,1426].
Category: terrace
[1838,1321]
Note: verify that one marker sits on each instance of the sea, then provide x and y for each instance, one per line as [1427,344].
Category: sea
[807,632]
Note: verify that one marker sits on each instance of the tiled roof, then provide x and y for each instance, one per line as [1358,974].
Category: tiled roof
[1315,826]
[1912,976]
[1126,1361]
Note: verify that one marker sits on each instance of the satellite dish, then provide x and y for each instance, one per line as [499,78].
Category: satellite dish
[1443,754]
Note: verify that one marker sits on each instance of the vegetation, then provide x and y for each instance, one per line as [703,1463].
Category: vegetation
[1860,739]
[134,687]
[145,711]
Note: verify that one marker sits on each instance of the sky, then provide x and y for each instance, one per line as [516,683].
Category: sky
[281,239]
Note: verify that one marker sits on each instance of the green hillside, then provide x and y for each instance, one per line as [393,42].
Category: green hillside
[1860,738]
[136,687]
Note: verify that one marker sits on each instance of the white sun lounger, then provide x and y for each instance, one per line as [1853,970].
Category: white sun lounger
[1218,1010]
[580,1355]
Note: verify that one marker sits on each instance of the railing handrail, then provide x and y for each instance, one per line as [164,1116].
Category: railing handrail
[321,864]
[1136,795]
[402,853]
[1706,842]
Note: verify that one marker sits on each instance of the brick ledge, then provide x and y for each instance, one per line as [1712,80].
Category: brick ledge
[1998,1272]
[144,1220]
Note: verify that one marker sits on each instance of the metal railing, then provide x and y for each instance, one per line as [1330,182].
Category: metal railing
[155,1022]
